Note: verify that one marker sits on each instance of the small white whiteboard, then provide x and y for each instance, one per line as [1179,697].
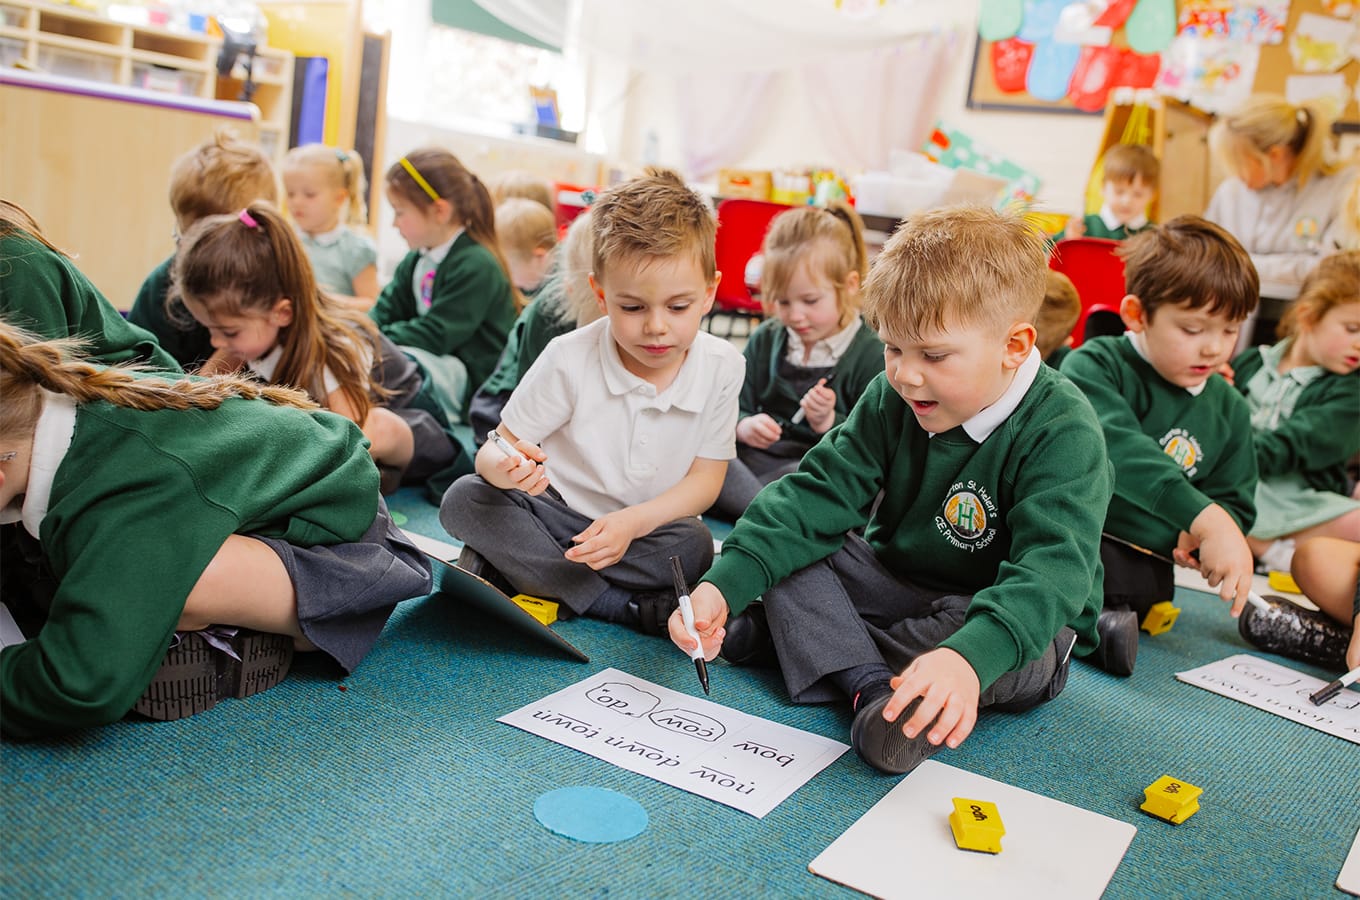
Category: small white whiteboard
[1269,686]
[903,846]
[1349,879]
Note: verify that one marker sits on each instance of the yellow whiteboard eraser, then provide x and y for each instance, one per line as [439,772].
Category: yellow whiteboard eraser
[544,611]
[1160,617]
[1171,799]
[1283,581]
[976,825]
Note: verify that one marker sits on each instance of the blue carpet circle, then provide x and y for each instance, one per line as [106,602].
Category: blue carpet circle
[591,814]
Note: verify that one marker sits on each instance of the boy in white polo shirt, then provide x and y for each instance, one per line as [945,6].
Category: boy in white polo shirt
[631,420]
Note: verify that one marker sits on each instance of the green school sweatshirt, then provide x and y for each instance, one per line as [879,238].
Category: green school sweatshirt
[187,341]
[764,391]
[1014,521]
[471,309]
[1174,452]
[140,504]
[1321,434]
[43,292]
[1096,228]
[538,324]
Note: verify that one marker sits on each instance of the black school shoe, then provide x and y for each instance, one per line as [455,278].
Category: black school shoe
[1290,630]
[470,560]
[882,744]
[748,641]
[195,676]
[1118,649]
[650,611]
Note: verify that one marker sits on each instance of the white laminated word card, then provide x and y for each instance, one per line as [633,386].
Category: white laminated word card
[1266,685]
[737,759]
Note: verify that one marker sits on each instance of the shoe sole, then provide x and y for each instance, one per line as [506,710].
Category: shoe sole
[195,676]
[882,744]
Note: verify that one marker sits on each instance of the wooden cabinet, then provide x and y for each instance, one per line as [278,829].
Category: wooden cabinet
[68,42]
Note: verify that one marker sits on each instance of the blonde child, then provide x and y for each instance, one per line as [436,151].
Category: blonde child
[160,506]
[517,183]
[1057,317]
[635,416]
[1285,196]
[1129,179]
[565,303]
[451,302]
[325,191]
[808,363]
[976,573]
[1185,474]
[42,291]
[1304,394]
[246,278]
[219,176]
[528,236]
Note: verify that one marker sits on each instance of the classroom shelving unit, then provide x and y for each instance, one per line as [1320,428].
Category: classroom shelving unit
[70,42]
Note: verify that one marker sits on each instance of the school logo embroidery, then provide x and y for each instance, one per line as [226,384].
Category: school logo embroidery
[967,515]
[1306,229]
[1182,447]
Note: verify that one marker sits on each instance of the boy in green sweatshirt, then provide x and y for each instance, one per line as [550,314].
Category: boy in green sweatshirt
[1180,436]
[979,568]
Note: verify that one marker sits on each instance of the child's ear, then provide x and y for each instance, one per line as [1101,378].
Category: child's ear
[599,294]
[281,315]
[1019,342]
[711,292]
[852,282]
[443,211]
[1132,312]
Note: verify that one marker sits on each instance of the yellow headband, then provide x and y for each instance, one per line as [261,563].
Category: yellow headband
[419,179]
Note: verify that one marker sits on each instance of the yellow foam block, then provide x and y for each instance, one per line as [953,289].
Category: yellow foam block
[1171,799]
[1283,581]
[543,610]
[976,825]
[1160,617]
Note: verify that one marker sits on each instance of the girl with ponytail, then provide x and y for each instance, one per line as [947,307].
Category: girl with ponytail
[149,522]
[451,301]
[246,278]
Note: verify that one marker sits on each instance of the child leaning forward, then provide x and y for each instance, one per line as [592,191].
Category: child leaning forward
[979,569]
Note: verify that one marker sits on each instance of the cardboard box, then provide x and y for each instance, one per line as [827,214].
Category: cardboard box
[751,184]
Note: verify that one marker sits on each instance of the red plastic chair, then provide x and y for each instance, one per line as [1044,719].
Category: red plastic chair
[741,230]
[1098,275]
[571,201]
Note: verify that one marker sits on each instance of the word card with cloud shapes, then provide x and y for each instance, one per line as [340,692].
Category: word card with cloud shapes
[740,760]
[1266,685]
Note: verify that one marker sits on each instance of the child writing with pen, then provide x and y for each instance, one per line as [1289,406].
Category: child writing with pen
[806,366]
[979,570]
[635,414]
[247,280]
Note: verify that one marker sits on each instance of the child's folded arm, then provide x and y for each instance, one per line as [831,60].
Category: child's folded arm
[1316,435]
[395,301]
[1049,577]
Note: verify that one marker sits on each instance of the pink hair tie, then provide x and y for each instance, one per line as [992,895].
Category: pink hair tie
[248,220]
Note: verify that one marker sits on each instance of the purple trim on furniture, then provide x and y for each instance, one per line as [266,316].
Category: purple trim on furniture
[82,88]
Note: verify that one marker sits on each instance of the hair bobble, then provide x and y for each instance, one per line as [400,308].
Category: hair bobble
[341,155]
[248,220]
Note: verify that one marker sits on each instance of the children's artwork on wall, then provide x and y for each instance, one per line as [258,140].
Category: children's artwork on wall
[999,19]
[1151,25]
[1272,687]
[1253,21]
[1321,43]
[1213,74]
[1330,89]
[737,759]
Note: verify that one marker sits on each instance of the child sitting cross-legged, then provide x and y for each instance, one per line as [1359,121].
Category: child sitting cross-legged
[1179,435]
[636,417]
[979,569]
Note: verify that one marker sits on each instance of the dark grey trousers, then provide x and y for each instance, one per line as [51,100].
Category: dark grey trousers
[847,610]
[524,538]
[752,470]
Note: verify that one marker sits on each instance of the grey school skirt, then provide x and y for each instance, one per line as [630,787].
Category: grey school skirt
[346,592]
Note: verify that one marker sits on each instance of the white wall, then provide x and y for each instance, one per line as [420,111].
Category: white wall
[1060,149]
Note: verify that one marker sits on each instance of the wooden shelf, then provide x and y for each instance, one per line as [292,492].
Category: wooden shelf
[62,40]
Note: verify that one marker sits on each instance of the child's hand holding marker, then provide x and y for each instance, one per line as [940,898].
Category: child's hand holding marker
[523,463]
[818,406]
[710,617]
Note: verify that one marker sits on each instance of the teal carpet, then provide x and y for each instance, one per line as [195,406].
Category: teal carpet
[398,780]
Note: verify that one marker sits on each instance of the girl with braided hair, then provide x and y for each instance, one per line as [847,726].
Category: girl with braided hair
[191,534]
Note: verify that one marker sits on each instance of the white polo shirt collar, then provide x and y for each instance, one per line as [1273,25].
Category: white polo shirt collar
[981,425]
[686,392]
[1112,221]
[51,441]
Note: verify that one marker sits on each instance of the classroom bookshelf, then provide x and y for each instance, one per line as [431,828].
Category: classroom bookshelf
[69,42]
